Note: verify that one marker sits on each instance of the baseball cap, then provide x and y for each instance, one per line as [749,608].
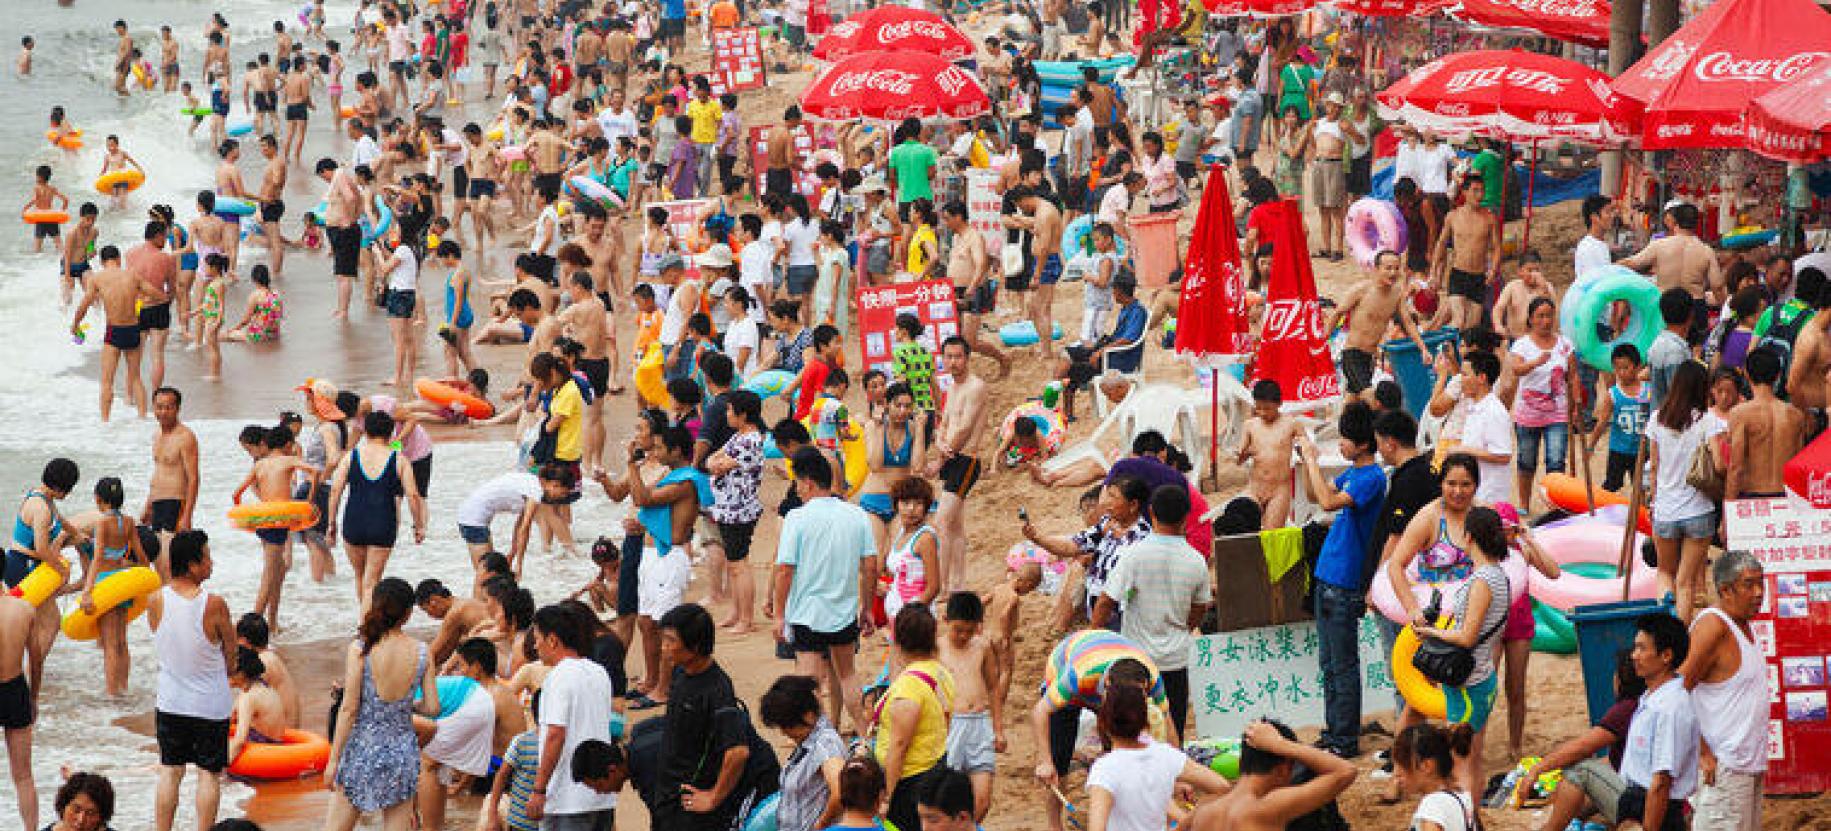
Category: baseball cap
[670,260]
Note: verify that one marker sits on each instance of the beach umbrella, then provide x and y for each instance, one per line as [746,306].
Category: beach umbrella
[893,28]
[1386,8]
[1211,323]
[1793,123]
[1293,349]
[1577,21]
[1696,83]
[1257,8]
[889,86]
[1513,95]
[1808,475]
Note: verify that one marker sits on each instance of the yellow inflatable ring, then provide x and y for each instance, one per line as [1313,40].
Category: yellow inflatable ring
[129,585]
[1422,694]
[292,515]
[649,383]
[39,585]
[129,179]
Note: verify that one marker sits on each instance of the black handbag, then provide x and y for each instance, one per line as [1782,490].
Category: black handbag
[1449,664]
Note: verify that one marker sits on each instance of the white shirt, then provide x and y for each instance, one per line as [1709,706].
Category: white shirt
[1434,168]
[1674,498]
[1663,738]
[800,238]
[504,494]
[1450,811]
[1156,582]
[1141,781]
[962,145]
[740,334]
[1489,428]
[406,273]
[1405,162]
[365,152]
[576,695]
[754,270]
[546,231]
[454,158]
[617,124]
[1077,143]
[1591,253]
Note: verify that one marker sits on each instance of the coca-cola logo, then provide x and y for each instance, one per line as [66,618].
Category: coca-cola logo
[1559,8]
[1292,320]
[844,30]
[1491,76]
[1600,88]
[1318,387]
[1726,130]
[887,81]
[1666,131]
[1723,66]
[1818,489]
[953,81]
[1452,108]
[1669,59]
[903,30]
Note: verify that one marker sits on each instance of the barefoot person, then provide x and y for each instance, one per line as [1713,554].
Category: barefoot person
[116,542]
[38,537]
[343,205]
[1465,257]
[17,707]
[1265,797]
[1268,442]
[955,459]
[371,519]
[195,644]
[457,616]
[272,477]
[1369,309]
[1726,672]
[171,495]
[158,269]
[1044,222]
[273,207]
[119,291]
[976,732]
[260,714]
[969,268]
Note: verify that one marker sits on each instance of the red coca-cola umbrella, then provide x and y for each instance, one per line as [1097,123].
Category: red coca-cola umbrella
[1257,8]
[1211,325]
[1387,8]
[1513,95]
[1808,474]
[891,28]
[1577,21]
[1793,123]
[1696,83]
[889,86]
[1292,348]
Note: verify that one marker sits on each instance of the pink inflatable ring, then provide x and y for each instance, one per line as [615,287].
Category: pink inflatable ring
[1374,225]
[1383,598]
[1581,541]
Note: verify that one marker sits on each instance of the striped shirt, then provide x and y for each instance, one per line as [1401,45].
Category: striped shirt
[523,758]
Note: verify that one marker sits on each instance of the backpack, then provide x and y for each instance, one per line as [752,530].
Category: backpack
[1780,335]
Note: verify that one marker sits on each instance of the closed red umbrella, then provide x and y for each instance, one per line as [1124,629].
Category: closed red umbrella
[1293,349]
[1808,475]
[1577,21]
[1511,94]
[889,86]
[1211,323]
[1696,83]
[888,28]
[1793,123]
[1257,8]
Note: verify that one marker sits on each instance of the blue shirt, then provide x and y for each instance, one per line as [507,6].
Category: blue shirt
[1128,327]
[1342,552]
[658,520]
[1629,422]
[824,540]
[673,9]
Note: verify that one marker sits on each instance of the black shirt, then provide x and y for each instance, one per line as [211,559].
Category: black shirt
[714,428]
[703,721]
[1413,485]
[608,651]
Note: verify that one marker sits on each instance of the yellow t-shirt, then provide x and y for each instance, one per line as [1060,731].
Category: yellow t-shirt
[569,445]
[705,115]
[918,259]
[929,744]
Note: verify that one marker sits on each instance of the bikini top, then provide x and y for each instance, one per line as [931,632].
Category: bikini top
[1444,559]
[22,531]
[120,551]
[901,456]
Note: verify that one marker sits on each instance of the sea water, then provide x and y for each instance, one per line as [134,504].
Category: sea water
[48,392]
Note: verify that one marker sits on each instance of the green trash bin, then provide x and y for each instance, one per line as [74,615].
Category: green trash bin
[1603,630]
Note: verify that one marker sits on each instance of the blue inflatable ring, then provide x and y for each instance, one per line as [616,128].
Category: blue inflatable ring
[1643,324]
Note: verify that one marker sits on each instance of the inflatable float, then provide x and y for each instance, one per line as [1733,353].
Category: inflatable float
[129,179]
[1587,553]
[1552,632]
[232,206]
[649,381]
[1420,693]
[1588,300]
[1381,596]
[39,216]
[131,585]
[1023,333]
[239,126]
[769,383]
[72,140]
[196,112]
[372,231]
[1374,225]
[763,816]
[1049,425]
[454,690]
[446,395]
[298,754]
[292,515]
[590,188]
[38,585]
[513,154]
[1568,494]
[851,451]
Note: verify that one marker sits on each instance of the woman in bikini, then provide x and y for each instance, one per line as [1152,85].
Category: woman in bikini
[894,448]
[116,547]
[261,320]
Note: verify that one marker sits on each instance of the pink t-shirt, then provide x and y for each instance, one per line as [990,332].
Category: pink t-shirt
[1544,392]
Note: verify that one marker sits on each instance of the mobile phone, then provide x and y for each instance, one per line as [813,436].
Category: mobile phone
[1022,515]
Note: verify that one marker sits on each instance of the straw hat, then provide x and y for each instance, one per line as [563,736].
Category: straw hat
[717,256]
[874,184]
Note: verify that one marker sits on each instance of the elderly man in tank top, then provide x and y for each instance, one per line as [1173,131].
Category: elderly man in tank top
[194,640]
[1726,673]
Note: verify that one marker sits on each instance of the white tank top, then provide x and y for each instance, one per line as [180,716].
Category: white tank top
[1732,714]
[674,320]
[193,680]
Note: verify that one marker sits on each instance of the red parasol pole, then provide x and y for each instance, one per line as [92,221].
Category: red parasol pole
[1214,423]
[1532,175]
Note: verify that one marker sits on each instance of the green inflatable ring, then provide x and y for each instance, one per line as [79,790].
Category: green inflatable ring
[1643,325]
[1552,631]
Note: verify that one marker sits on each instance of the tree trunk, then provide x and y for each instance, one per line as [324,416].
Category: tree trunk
[1662,21]
[1623,50]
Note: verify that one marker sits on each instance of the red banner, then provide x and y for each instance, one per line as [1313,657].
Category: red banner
[1292,347]
[737,61]
[932,301]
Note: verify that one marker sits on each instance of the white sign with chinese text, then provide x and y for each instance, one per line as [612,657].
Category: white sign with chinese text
[1236,677]
[1782,534]
[982,207]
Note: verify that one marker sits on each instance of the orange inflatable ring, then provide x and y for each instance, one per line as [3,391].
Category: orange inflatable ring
[42,215]
[446,395]
[299,754]
[292,515]
[1568,494]
[70,141]
[1421,694]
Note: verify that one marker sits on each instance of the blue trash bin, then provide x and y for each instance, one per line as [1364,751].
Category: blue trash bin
[1413,370]
[1603,630]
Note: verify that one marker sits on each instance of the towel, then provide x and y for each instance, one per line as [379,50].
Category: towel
[1283,550]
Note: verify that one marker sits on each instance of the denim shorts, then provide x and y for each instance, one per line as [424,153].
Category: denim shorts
[474,534]
[1526,439]
[1700,527]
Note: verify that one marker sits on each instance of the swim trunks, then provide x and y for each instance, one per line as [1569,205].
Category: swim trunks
[272,211]
[1470,285]
[16,712]
[547,182]
[165,513]
[266,102]
[597,371]
[124,338]
[156,317]
[77,270]
[1051,272]
[958,475]
[186,740]
[460,182]
[170,69]
[272,536]
[44,230]
[346,249]
[1357,369]
[297,112]
[483,188]
[981,300]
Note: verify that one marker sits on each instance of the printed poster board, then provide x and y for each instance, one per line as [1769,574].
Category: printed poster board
[982,208]
[1793,629]
[684,217]
[1238,677]
[737,61]
[759,159]
[932,301]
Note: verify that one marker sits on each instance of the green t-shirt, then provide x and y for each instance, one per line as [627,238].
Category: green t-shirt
[915,366]
[1294,88]
[911,161]
[1487,165]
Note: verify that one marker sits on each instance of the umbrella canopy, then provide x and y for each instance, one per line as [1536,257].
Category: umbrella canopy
[1386,8]
[1808,474]
[1257,8]
[1512,94]
[1696,83]
[1577,21]
[888,86]
[1211,320]
[1292,348]
[888,28]
[1793,123]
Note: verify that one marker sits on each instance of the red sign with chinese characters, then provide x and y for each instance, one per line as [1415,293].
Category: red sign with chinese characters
[932,301]
[805,181]
[737,61]
[1792,629]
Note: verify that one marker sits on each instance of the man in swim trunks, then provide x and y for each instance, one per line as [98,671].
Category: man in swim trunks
[273,186]
[969,268]
[123,57]
[17,710]
[118,290]
[956,461]
[297,90]
[159,271]
[1044,222]
[343,204]
[168,58]
[171,495]
[1369,309]
[588,322]
[77,248]
[260,93]
[1466,257]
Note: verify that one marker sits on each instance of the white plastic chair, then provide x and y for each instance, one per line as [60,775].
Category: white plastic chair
[1135,378]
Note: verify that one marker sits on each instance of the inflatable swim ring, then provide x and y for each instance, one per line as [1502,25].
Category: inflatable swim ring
[129,179]
[346,112]
[1596,545]
[196,112]
[1048,424]
[69,141]
[298,754]
[513,154]
[372,231]
[1749,237]
[40,215]
[851,451]
[763,816]
[494,133]
[1552,631]
[39,584]
[239,126]
[1023,333]
[125,586]
[233,206]
[1028,552]
[292,515]
[1590,304]
[446,395]
[1567,493]
[769,383]
[649,383]
[1420,693]
[593,189]
[1077,238]
[1373,225]
[1383,598]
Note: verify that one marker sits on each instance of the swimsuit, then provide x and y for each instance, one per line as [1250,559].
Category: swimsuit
[1444,561]
[212,306]
[116,557]
[1051,272]
[125,338]
[20,561]
[264,322]
[462,318]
